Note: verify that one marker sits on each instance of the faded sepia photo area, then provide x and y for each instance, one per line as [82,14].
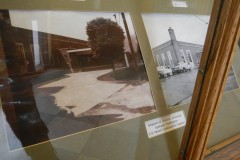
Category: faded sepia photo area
[177,42]
[63,72]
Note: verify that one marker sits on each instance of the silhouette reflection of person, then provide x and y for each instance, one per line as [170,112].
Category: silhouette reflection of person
[17,97]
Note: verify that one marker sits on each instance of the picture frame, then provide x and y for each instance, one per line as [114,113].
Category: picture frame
[86,83]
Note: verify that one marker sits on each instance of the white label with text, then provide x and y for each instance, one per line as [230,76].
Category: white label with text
[165,124]
[182,4]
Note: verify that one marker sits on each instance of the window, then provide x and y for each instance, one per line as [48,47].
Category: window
[170,58]
[158,60]
[189,55]
[163,59]
[183,55]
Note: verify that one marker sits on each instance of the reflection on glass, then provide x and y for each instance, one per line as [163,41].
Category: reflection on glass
[17,96]
[177,44]
[227,119]
[70,72]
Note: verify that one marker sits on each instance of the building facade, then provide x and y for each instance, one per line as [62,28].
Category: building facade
[170,53]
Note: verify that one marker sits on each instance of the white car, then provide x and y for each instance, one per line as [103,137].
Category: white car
[182,67]
[164,71]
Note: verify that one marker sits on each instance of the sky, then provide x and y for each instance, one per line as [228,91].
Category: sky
[187,27]
[65,23]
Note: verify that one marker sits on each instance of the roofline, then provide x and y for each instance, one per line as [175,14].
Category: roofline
[166,44]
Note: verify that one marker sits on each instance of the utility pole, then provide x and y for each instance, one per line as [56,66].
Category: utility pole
[129,41]
[115,17]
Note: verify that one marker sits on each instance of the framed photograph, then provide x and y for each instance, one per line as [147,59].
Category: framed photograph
[177,44]
[92,74]
[108,79]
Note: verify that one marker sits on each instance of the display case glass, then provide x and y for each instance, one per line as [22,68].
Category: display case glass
[225,129]
[99,79]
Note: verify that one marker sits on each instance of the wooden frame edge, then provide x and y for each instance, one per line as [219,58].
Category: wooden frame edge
[217,57]
[222,144]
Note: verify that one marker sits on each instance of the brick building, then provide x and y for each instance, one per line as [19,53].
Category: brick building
[170,53]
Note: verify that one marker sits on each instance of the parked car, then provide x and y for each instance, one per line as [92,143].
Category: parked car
[175,70]
[181,67]
[164,71]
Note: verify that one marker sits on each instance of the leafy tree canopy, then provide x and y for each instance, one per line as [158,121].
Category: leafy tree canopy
[105,37]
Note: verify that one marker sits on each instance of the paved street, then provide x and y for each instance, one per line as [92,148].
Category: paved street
[72,102]
[79,101]
[80,92]
[178,88]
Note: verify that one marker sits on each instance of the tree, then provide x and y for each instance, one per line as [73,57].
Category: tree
[106,38]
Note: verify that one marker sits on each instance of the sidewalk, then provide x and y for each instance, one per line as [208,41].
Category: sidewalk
[80,92]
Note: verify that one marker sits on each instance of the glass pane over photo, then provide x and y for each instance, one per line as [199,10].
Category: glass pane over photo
[85,76]
[177,42]
[226,129]
[79,80]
